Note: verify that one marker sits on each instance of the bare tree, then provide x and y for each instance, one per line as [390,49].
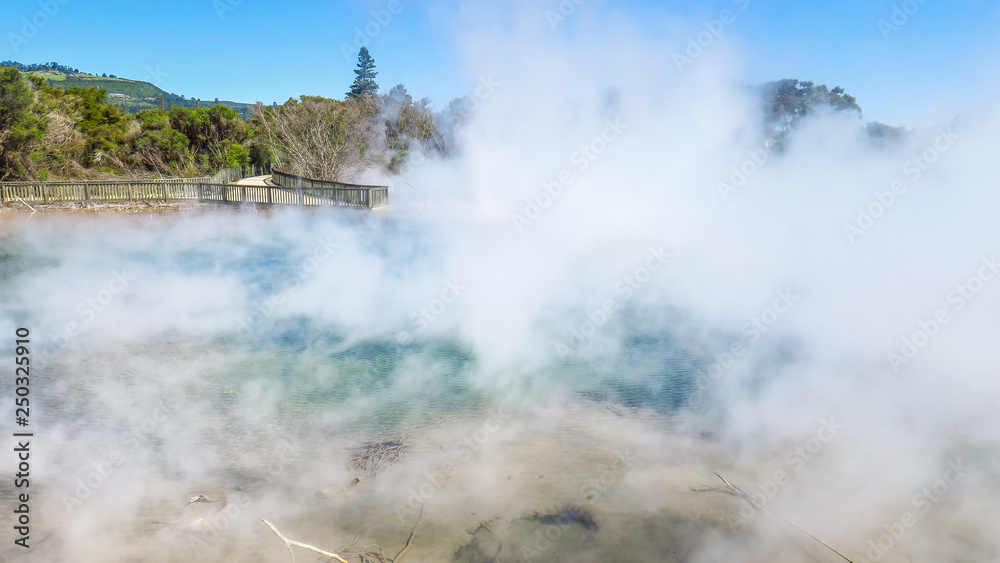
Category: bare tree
[322,138]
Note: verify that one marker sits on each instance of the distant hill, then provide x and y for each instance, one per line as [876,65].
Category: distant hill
[131,95]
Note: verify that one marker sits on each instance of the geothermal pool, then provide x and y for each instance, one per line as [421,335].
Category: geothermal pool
[248,361]
[184,355]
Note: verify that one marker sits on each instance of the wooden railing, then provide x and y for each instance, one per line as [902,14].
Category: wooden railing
[223,176]
[236,173]
[338,193]
[287,190]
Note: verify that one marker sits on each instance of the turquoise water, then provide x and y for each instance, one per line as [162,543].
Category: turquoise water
[167,374]
[314,364]
[233,356]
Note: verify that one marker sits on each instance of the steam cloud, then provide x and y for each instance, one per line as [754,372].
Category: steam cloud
[821,334]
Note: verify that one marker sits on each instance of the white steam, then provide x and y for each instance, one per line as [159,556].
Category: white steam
[580,242]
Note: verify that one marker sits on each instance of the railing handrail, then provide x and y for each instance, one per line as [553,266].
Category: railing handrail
[216,188]
[106,182]
[294,180]
[194,180]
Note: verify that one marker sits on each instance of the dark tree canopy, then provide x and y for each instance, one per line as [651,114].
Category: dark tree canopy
[364,76]
[880,132]
[407,123]
[15,97]
[19,131]
[789,100]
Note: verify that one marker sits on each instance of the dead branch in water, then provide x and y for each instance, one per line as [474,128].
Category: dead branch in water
[33,210]
[365,554]
[374,456]
[409,540]
[292,543]
[348,546]
[707,489]
[496,558]
[754,502]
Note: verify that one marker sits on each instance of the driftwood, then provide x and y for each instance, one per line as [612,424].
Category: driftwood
[365,554]
[413,534]
[26,203]
[292,543]
[375,456]
[743,494]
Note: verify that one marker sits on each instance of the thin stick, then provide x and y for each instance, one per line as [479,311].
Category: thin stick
[289,543]
[26,203]
[381,554]
[345,548]
[752,500]
[496,557]
[409,540]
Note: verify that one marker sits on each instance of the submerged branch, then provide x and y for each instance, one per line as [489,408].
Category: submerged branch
[409,540]
[754,502]
[292,543]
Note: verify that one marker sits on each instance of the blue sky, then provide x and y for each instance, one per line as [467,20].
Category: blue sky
[942,59]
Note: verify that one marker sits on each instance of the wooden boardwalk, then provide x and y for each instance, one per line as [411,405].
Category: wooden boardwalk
[239,185]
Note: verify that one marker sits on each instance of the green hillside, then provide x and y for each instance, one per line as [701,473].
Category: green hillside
[131,95]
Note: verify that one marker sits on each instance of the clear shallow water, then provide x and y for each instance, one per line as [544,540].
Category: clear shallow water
[163,394]
[222,355]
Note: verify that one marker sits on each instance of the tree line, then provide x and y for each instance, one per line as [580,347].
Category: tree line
[48,132]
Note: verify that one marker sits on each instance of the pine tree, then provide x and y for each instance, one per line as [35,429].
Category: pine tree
[364,76]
